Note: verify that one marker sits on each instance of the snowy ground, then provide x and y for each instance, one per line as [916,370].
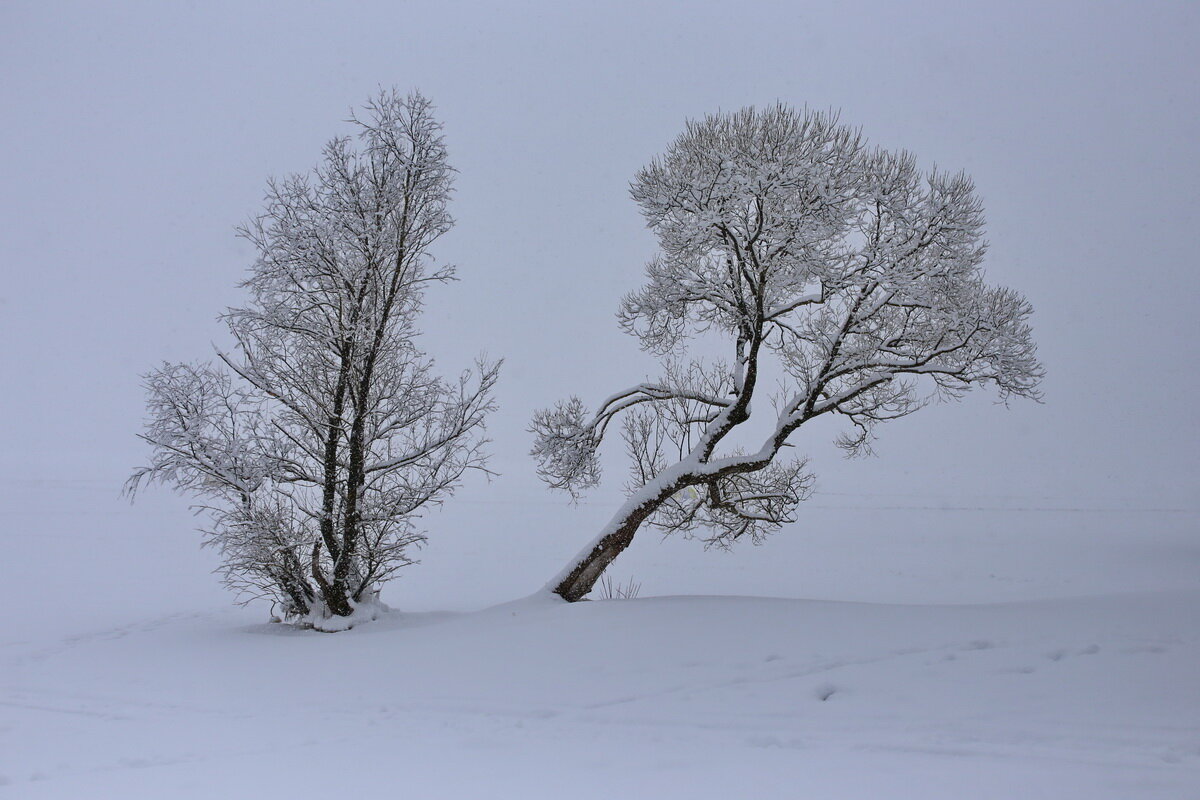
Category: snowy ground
[931,652]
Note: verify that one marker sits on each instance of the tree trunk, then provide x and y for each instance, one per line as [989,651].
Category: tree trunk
[333,595]
[589,566]
[299,594]
[618,534]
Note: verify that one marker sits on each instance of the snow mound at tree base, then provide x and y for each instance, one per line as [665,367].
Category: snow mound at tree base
[321,619]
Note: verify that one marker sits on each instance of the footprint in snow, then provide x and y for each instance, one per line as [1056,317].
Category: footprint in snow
[1061,653]
[768,741]
[825,691]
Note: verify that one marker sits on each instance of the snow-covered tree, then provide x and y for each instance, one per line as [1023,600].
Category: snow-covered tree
[843,269]
[324,432]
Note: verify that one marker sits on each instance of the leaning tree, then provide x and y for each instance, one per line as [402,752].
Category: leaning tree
[845,270]
[319,437]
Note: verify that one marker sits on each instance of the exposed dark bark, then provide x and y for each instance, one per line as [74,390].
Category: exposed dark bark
[582,579]
[298,592]
[332,437]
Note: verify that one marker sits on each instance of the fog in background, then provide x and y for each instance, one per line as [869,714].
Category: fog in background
[137,136]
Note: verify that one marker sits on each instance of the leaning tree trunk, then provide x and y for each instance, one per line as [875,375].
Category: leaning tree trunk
[579,579]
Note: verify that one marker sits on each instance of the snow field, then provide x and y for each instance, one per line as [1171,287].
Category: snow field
[919,652]
[665,697]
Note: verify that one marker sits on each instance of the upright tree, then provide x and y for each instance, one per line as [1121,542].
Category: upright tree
[844,270]
[318,439]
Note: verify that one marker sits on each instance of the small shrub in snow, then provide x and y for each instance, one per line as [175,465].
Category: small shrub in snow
[610,590]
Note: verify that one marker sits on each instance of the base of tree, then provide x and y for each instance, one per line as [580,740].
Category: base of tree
[321,619]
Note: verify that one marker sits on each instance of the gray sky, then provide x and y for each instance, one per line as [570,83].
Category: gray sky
[138,135]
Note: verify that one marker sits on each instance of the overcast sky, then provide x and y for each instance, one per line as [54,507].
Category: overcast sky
[137,136]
